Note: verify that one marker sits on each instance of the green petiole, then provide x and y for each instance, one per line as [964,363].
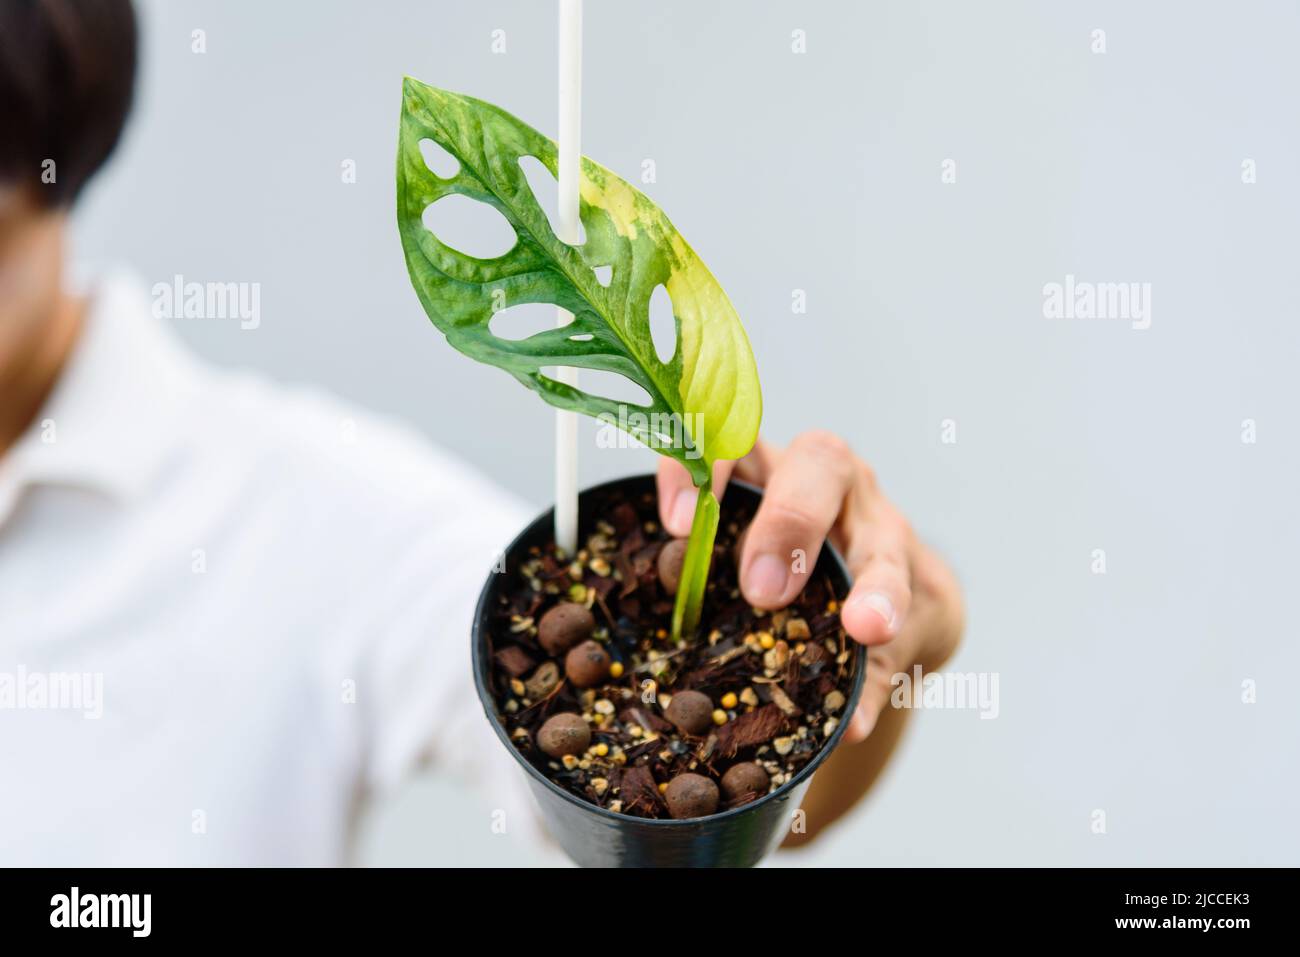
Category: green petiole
[695,566]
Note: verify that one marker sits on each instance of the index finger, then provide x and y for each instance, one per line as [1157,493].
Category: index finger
[802,501]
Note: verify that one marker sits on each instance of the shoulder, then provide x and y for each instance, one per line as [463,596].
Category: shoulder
[288,467]
[310,451]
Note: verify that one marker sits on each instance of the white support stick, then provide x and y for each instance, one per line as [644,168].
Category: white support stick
[566,423]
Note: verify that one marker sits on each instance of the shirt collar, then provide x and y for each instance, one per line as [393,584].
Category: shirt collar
[118,404]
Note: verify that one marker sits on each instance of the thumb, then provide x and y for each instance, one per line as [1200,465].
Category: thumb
[677,493]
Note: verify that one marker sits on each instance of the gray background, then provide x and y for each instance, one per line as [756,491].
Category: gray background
[821,172]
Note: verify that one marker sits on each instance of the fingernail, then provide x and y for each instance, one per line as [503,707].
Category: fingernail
[766,581]
[878,602]
[683,513]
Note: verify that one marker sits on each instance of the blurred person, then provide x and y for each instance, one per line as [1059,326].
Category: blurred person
[272,623]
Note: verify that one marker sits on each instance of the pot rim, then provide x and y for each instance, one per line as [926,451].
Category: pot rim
[490,710]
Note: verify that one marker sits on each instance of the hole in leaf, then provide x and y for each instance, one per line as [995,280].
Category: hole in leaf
[609,385]
[472,227]
[603,274]
[585,337]
[524,320]
[547,190]
[440,162]
[663,327]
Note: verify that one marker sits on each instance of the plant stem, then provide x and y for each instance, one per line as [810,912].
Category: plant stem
[695,566]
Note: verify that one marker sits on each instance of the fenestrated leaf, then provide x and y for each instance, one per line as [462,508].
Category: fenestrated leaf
[710,384]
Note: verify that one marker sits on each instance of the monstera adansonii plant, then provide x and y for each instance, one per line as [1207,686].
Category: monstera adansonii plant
[709,387]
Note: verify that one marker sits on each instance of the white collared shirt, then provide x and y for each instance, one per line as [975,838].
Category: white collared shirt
[227,612]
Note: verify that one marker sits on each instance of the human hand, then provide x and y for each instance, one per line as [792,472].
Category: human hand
[905,605]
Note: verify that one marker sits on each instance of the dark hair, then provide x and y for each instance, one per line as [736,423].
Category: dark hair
[67,70]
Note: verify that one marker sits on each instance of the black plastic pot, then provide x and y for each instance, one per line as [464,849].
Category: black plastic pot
[595,837]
